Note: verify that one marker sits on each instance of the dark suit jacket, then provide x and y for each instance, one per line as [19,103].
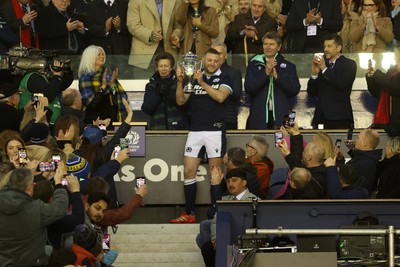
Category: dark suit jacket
[97,14]
[52,29]
[233,101]
[264,25]
[333,89]
[332,22]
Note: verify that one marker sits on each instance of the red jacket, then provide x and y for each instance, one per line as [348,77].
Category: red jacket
[83,257]
[265,167]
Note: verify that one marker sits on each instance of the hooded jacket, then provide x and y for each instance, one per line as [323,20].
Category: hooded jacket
[365,163]
[23,222]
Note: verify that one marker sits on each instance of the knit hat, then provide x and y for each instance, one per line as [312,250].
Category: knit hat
[8,89]
[86,237]
[38,133]
[78,166]
[348,173]
[94,134]
[237,172]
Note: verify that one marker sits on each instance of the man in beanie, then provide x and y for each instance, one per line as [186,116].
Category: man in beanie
[236,180]
[341,184]
[87,246]
[11,116]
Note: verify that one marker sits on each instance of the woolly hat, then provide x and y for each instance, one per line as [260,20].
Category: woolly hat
[94,134]
[78,166]
[237,172]
[38,133]
[86,237]
[8,89]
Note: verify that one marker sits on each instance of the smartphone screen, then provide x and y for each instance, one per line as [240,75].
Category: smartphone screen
[64,181]
[117,149]
[285,122]
[278,138]
[350,134]
[292,117]
[140,181]
[22,157]
[103,127]
[56,159]
[338,143]
[47,166]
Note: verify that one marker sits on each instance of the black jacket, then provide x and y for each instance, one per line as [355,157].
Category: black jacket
[115,43]
[388,173]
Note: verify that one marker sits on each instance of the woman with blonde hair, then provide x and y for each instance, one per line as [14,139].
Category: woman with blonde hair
[371,29]
[388,171]
[101,92]
[323,139]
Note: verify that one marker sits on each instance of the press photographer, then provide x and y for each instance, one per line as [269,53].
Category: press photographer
[50,82]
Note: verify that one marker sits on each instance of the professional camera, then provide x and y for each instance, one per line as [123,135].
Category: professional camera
[21,60]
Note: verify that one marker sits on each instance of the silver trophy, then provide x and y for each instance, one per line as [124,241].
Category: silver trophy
[189,66]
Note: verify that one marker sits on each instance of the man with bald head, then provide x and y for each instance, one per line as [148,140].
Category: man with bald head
[302,185]
[312,157]
[365,156]
[71,104]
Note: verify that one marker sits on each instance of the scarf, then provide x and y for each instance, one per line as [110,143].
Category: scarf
[384,109]
[25,31]
[369,41]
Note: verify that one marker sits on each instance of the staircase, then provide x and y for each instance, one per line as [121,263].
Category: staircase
[157,245]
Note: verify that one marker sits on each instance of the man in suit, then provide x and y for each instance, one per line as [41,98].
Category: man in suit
[309,21]
[253,25]
[331,81]
[106,21]
[151,23]
[20,16]
[236,180]
[59,30]
[233,101]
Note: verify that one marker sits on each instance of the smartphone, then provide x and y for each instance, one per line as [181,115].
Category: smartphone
[22,157]
[117,149]
[56,159]
[285,122]
[35,7]
[140,181]
[103,127]
[292,117]
[106,242]
[64,181]
[278,138]
[370,64]
[80,16]
[124,142]
[338,143]
[349,134]
[47,166]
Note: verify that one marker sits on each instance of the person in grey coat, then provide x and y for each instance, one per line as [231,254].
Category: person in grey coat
[23,220]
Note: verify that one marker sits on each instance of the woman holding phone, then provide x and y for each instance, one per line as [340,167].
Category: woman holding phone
[386,87]
[101,92]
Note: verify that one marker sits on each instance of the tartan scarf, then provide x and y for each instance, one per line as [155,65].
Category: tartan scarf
[91,83]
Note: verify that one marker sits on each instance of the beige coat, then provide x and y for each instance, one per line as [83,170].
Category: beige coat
[208,29]
[383,37]
[142,19]
[226,14]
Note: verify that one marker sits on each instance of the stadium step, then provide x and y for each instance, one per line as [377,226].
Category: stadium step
[157,245]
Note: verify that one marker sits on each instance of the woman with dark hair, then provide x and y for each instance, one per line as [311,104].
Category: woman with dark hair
[159,99]
[67,131]
[10,148]
[198,24]
[371,30]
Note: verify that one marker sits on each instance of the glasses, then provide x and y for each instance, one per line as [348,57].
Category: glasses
[248,145]
[369,5]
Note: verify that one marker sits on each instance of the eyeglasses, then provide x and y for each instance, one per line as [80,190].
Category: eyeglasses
[369,5]
[248,145]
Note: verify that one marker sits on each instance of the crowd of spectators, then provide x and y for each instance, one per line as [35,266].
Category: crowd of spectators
[57,169]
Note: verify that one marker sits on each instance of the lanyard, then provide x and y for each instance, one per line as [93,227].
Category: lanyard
[309,7]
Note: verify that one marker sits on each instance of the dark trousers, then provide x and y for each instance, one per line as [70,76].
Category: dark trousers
[208,253]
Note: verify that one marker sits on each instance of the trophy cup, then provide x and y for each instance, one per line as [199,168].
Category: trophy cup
[189,65]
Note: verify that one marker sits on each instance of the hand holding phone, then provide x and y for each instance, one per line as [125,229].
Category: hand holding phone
[278,138]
